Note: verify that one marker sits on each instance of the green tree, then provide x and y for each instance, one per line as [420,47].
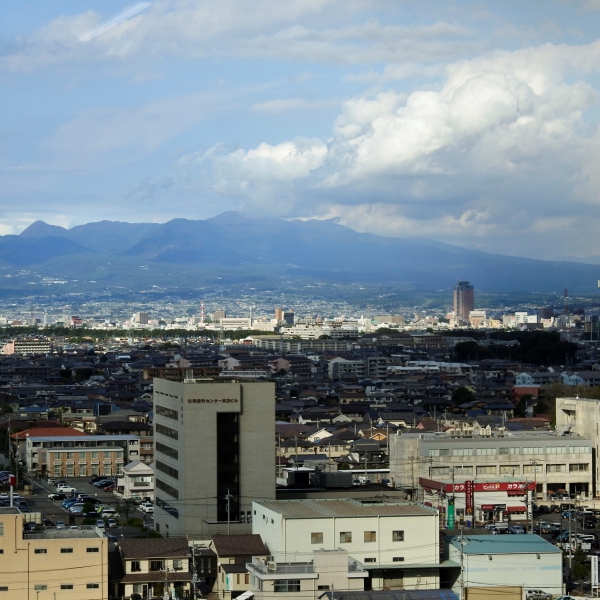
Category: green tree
[581,568]
[461,395]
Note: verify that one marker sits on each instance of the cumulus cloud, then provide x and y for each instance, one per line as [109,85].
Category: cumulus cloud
[501,140]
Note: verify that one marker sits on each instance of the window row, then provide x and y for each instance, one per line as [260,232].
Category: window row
[509,450]
[167,450]
[509,469]
[65,550]
[42,587]
[164,430]
[346,537]
[165,487]
[163,411]
[170,471]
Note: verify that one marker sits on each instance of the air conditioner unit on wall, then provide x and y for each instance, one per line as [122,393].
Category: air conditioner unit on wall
[272,565]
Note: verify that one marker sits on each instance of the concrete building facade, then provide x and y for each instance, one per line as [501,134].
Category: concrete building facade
[464,300]
[554,462]
[64,564]
[398,543]
[581,416]
[214,454]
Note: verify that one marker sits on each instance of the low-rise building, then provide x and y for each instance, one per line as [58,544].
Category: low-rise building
[153,566]
[80,456]
[398,543]
[136,480]
[65,564]
[553,461]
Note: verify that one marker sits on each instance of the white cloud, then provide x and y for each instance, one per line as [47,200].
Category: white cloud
[499,143]
[295,29]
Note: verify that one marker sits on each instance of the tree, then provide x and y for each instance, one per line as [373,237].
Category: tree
[124,508]
[581,568]
[461,395]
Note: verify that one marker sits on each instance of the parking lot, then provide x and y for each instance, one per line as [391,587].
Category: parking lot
[53,509]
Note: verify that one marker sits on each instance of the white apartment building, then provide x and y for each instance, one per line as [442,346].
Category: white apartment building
[136,480]
[398,543]
[553,461]
[326,570]
[581,416]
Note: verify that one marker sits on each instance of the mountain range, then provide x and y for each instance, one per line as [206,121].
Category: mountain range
[185,253]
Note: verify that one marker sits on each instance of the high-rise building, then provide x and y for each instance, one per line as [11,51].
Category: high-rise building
[141,318]
[464,300]
[218,315]
[288,317]
[214,454]
[279,314]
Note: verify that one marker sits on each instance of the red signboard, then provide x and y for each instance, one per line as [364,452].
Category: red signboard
[12,480]
[469,497]
[498,486]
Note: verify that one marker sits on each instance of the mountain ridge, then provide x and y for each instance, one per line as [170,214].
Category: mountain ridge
[271,247]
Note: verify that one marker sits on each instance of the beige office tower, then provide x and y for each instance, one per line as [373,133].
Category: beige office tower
[214,454]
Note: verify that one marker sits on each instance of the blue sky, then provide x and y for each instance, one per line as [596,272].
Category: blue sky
[472,123]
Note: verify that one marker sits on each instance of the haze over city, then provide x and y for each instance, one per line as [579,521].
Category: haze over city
[475,124]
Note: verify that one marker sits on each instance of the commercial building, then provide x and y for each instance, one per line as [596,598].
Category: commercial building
[234,323]
[63,564]
[141,318]
[214,454]
[218,315]
[28,346]
[288,317]
[581,416]
[464,301]
[502,567]
[80,456]
[398,543]
[553,461]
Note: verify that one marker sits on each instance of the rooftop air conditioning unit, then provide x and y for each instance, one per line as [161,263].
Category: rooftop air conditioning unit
[272,565]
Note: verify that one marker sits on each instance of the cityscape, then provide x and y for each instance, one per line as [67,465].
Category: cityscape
[299,300]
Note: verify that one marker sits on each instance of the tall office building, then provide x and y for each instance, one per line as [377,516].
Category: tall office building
[279,314]
[464,300]
[214,454]
[288,317]
[141,318]
[218,315]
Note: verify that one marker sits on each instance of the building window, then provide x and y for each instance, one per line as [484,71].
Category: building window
[397,536]
[438,471]
[92,586]
[322,587]
[485,451]
[504,451]
[286,585]
[1,529]
[167,451]
[178,564]
[170,471]
[40,587]
[370,560]
[66,586]
[94,454]
[398,559]
[3,588]
[135,566]
[166,412]
[156,565]
[316,538]
[556,468]
[463,470]
[66,550]
[527,469]
[69,455]
[439,452]
[576,468]
[40,551]
[578,449]
[82,455]
[486,470]
[163,430]
[510,469]
[345,537]
[165,487]
[93,549]
[370,536]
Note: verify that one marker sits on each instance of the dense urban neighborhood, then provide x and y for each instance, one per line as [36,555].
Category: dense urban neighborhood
[333,463]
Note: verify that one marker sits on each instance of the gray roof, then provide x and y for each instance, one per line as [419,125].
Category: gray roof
[505,544]
[311,509]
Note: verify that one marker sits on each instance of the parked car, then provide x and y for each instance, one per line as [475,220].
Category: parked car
[146,507]
[24,509]
[60,525]
[537,595]
[30,526]
[541,527]
[96,478]
[93,514]
[47,523]
[109,512]
[57,496]
[112,523]
[66,489]
[516,529]
[100,524]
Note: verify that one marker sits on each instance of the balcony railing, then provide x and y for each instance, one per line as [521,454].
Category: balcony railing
[279,568]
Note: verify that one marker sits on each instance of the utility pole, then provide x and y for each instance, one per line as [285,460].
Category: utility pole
[228,498]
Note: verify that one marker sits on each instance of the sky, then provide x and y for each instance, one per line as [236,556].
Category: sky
[470,123]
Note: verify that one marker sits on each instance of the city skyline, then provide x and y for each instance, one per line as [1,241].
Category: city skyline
[475,126]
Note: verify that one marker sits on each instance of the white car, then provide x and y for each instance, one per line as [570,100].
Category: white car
[100,524]
[146,507]
[112,524]
[65,489]
[60,525]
